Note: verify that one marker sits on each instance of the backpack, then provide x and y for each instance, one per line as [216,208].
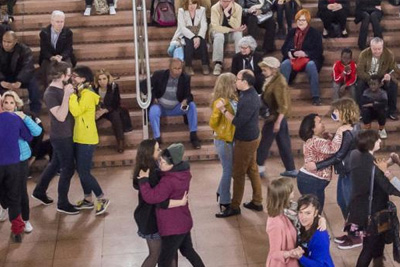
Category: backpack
[101,7]
[164,13]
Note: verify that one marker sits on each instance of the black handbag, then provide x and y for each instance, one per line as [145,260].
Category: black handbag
[381,221]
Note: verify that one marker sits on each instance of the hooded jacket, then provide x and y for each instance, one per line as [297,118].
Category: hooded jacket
[84,111]
[173,184]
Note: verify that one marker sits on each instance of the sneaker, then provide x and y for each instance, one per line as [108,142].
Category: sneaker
[88,10]
[340,239]
[292,174]
[70,210]
[206,69]
[28,227]
[394,117]
[112,10]
[217,69]
[3,214]
[44,199]
[251,206]
[189,71]
[102,205]
[351,242]
[84,205]
[383,134]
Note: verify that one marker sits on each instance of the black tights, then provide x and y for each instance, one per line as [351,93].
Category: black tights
[154,246]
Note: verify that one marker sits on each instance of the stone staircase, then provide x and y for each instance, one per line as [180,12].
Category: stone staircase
[106,42]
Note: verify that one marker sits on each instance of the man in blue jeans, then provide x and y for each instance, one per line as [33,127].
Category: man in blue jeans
[56,98]
[172,97]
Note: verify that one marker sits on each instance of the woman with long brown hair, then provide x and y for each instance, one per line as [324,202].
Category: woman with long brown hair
[225,88]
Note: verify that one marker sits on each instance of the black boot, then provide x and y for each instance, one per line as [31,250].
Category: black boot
[195,140]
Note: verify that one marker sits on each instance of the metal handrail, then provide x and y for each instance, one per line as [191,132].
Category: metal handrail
[142,62]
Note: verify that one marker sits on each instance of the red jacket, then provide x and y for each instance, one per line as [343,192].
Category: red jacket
[349,78]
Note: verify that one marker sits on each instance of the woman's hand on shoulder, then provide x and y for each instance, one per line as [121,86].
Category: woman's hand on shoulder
[321,224]
[144,174]
[343,128]
[20,114]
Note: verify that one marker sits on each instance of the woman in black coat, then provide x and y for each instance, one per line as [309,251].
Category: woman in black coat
[333,11]
[362,164]
[110,107]
[304,42]
[368,11]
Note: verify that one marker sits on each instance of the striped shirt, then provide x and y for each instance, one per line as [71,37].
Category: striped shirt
[169,100]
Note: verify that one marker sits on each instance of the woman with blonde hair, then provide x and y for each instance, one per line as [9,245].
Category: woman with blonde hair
[282,233]
[346,112]
[110,106]
[12,103]
[225,88]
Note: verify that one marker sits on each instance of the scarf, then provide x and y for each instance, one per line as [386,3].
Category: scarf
[299,37]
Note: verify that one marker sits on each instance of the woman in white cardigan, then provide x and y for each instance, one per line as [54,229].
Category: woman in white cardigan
[191,32]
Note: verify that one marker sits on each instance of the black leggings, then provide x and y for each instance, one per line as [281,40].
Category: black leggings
[154,246]
[90,2]
[373,247]
[171,244]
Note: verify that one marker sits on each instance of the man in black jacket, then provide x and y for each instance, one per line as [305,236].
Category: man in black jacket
[17,69]
[55,43]
[172,97]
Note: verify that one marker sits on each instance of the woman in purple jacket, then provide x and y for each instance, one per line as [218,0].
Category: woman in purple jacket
[174,225]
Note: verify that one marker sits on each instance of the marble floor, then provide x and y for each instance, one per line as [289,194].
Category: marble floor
[110,240]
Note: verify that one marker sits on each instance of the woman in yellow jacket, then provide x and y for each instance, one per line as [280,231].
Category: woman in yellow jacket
[82,106]
[225,88]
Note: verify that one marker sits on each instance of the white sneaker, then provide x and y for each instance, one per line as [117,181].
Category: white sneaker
[88,10]
[217,69]
[3,214]
[28,227]
[112,10]
[383,134]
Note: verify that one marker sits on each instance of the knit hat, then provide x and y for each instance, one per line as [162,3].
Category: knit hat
[175,152]
[271,62]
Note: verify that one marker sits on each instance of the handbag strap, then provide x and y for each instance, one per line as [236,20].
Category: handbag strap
[371,192]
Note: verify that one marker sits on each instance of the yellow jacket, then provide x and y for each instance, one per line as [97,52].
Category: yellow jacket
[84,112]
[222,127]
[217,16]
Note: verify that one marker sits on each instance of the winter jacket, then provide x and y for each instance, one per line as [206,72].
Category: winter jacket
[173,185]
[349,77]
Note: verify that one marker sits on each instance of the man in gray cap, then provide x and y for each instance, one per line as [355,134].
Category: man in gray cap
[277,97]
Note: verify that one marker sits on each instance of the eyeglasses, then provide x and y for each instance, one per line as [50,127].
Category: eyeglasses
[302,20]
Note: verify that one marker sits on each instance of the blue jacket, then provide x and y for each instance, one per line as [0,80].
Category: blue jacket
[24,148]
[318,251]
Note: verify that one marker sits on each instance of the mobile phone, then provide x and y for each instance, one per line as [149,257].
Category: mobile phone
[185,108]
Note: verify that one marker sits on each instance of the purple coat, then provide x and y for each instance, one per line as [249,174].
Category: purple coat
[173,184]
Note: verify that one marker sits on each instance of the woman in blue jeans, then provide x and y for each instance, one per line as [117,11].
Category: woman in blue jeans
[317,147]
[225,88]
[82,106]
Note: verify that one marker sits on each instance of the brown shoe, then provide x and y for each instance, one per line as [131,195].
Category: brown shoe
[206,70]
[189,71]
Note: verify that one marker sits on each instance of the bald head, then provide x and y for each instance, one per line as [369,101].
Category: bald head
[175,67]
[10,39]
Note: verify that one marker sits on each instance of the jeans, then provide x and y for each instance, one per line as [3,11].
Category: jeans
[244,162]
[84,155]
[170,245]
[343,193]
[157,111]
[219,40]
[312,73]
[282,140]
[63,161]
[225,155]
[308,184]
[190,51]
[374,18]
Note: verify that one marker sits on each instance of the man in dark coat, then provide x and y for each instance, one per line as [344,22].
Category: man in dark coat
[55,43]
[17,69]
[171,96]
